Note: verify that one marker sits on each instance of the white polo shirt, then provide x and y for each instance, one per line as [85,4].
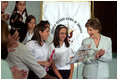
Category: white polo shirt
[61,56]
[40,52]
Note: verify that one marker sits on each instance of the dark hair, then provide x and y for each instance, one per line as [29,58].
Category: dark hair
[28,19]
[4,33]
[40,27]
[15,9]
[56,36]
[95,24]
[4,39]
[15,17]
[21,28]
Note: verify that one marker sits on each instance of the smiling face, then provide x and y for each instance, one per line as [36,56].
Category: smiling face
[62,34]
[45,33]
[31,24]
[92,32]
[21,6]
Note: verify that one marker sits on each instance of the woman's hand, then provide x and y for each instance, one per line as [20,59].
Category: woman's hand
[18,74]
[99,53]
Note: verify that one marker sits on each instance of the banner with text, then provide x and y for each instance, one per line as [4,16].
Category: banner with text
[73,15]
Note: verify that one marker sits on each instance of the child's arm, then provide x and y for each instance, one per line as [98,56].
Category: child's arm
[71,71]
[56,71]
[44,63]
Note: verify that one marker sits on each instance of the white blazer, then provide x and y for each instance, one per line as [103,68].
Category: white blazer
[93,68]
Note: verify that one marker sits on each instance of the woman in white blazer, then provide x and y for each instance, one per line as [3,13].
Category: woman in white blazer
[95,63]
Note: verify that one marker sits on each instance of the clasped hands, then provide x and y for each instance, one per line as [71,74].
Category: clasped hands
[99,53]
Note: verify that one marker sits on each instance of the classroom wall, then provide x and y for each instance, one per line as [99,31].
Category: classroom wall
[33,7]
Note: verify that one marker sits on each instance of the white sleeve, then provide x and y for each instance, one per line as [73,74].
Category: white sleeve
[30,45]
[30,62]
[108,54]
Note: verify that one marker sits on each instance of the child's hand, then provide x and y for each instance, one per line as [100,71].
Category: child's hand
[5,16]
[51,61]
[47,64]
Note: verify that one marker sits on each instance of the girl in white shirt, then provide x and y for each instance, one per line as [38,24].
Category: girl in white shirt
[37,44]
[30,23]
[20,7]
[62,54]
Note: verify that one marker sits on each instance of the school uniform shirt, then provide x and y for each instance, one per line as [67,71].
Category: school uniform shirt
[61,56]
[23,15]
[97,69]
[28,37]
[40,52]
[24,59]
